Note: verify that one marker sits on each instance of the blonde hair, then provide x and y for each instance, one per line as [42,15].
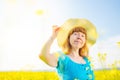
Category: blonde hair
[67,47]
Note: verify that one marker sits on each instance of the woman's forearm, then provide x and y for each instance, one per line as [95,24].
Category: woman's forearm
[45,51]
[46,48]
[45,55]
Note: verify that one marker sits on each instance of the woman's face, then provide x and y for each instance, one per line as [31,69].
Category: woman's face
[77,40]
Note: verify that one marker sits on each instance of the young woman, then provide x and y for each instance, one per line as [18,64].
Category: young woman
[72,62]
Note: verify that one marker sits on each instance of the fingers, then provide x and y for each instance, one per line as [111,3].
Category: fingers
[55,27]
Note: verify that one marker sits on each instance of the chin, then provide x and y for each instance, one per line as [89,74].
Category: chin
[78,47]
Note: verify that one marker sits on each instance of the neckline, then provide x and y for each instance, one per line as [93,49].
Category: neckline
[77,62]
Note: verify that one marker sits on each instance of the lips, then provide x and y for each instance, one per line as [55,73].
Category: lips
[78,41]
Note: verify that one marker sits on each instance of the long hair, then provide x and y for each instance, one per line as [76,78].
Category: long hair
[67,46]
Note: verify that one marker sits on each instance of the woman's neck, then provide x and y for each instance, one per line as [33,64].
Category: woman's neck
[74,53]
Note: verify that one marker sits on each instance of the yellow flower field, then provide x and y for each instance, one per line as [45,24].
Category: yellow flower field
[48,75]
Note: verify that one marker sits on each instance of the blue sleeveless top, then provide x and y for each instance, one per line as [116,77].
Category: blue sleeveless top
[70,70]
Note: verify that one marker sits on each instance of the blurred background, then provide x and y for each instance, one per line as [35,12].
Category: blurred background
[25,25]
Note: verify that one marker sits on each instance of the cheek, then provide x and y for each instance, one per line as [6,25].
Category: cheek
[71,40]
[84,41]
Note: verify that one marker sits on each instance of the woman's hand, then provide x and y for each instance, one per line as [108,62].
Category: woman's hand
[55,30]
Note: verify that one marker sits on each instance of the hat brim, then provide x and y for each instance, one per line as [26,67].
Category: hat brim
[72,23]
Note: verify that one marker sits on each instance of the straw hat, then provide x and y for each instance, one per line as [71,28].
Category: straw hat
[72,23]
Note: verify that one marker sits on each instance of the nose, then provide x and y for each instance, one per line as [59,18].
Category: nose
[78,36]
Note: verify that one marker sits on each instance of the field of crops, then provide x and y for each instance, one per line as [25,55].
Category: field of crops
[49,75]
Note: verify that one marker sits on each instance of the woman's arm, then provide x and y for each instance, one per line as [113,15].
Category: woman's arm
[45,54]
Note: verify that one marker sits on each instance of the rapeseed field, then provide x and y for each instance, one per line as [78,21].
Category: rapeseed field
[113,74]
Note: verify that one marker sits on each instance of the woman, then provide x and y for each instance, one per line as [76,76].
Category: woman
[72,62]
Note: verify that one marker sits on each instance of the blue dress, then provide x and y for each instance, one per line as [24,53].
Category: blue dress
[70,70]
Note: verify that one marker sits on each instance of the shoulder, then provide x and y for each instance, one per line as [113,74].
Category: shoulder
[62,58]
[60,55]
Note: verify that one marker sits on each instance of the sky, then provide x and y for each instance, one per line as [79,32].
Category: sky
[25,25]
